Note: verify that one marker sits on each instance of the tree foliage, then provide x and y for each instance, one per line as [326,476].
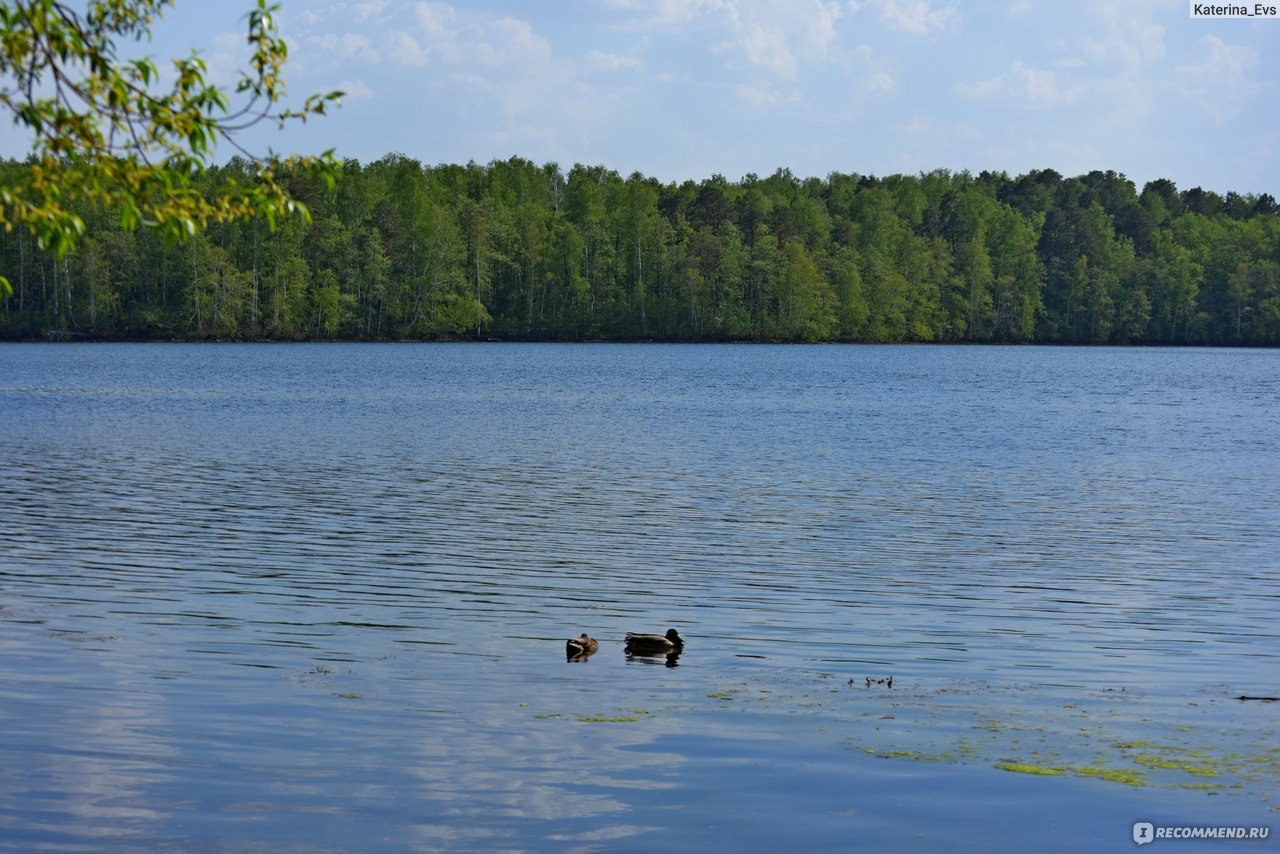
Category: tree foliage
[396,249]
[118,133]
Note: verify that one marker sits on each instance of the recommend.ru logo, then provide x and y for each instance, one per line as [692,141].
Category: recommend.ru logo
[1145,831]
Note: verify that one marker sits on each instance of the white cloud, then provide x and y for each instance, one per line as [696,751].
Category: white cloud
[913,16]
[501,77]
[667,15]
[405,49]
[229,53]
[355,90]
[483,43]
[765,97]
[817,23]
[1022,85]
[1127,33]
[983,90]
[776,37]
[773,36]
[599,61]
[511,43]
[348,46]
[1217,78]
[435,18]
[919,125]
[508,42]
[370,9]
[768,48]
[879,83]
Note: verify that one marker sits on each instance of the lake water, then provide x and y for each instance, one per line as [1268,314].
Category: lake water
[316,597]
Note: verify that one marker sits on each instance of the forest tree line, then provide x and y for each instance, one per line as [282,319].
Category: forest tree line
[514,250]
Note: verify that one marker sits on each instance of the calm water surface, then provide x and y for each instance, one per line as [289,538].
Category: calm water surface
[315,597]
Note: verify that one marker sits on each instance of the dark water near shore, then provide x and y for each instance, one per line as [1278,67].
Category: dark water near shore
[315,597]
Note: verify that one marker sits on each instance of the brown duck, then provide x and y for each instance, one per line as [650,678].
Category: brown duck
[581,646]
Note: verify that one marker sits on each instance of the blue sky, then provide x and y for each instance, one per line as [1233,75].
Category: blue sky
[680,89]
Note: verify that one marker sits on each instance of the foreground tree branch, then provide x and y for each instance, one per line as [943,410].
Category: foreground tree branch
[108,131]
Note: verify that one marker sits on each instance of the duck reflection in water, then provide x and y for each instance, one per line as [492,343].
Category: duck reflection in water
[580,648]
[651,647]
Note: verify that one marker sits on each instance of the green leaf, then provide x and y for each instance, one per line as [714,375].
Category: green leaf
[129,215]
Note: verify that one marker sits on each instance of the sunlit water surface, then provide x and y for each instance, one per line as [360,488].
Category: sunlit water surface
[316,597]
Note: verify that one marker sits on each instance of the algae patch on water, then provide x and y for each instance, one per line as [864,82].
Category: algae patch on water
[1127,776]
[912,755]
[1119,737]
[1024,768]
[613,719]
[619,717]
[1176,763]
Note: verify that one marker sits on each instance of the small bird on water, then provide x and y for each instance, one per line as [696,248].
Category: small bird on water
[640,644]
[581,646]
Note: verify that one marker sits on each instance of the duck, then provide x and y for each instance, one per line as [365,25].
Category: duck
[642,644]
[581,646]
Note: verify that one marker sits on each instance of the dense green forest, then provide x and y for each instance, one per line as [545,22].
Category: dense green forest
[513,250]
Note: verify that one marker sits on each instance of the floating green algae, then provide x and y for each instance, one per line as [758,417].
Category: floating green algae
[614,719]
[1130,737]
[601,719]
[1125,738]
[1130,777]
[912,755]
[1176,763]
[1024,768]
